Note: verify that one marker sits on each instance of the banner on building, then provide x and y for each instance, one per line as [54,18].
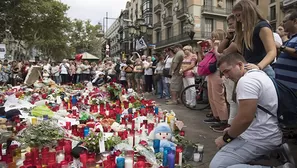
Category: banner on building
[2,51]
[140,44]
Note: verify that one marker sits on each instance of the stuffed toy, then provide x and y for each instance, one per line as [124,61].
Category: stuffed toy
[164,133]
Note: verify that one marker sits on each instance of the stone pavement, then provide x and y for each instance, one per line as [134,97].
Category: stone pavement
[199,132]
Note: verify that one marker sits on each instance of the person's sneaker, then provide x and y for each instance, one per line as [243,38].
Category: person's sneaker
[171,103]
[286,165]
[211,121]
[159,97]
[209,115]
[217,125]
[221,128]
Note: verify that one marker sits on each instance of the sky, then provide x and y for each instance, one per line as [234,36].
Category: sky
[95,10]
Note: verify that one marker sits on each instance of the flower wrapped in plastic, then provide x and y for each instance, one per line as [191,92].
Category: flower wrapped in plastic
[148,154]
[45,133]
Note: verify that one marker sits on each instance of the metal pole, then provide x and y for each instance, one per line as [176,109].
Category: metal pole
[106,21]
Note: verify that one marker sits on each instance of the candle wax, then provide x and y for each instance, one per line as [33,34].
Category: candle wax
[128,163]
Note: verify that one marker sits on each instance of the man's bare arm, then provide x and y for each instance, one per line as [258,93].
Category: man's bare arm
[245,116]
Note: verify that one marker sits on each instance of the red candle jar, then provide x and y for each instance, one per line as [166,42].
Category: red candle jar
[83,159]
[34,153]
[126,104]
[74,130]
[68,125]
[107,106]
[140,164]
[150,127]
[101,106]
[61,142]
[179,149]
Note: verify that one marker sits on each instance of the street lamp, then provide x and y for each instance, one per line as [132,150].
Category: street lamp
[149,30]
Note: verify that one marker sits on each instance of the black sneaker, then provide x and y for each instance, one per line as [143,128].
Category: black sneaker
[211,121]
[218,125]
[221,128]
[209,115]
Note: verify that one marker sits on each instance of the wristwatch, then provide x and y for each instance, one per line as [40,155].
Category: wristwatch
[227,138]
[281,48]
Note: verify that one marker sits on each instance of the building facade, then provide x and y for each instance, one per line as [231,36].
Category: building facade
[172,16]
[113,38]
[134,20]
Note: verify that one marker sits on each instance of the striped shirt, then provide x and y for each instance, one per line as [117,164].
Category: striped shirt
[286,66]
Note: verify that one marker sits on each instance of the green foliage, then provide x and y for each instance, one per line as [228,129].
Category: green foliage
[43,134]
[92,141]
[84,37]
[43,25]
[112,141]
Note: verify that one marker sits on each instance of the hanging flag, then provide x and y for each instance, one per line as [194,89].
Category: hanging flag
[2,51]
[140,44]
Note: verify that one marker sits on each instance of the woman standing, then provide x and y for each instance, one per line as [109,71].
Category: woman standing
[148,74]
[254,37]
[138,73]
[188,64]
[215,88]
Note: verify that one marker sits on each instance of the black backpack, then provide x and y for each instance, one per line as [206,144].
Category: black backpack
[287,105]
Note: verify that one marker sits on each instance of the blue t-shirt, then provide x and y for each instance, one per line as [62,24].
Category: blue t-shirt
[286,66]
[258,53]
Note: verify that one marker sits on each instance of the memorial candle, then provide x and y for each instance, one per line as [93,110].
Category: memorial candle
[128,162]
[171,159]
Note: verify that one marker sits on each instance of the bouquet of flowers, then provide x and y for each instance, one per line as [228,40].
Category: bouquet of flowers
[45,133]
[114,89]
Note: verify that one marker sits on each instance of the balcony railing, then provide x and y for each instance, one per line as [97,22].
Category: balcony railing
[216,10]
[181,13]
[157,25]
[157,8]
[168,20]
[184,37]
[167,2]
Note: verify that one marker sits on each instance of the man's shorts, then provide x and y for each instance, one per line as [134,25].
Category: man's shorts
[176,83]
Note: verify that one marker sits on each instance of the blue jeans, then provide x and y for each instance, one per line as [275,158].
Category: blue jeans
[162,87]
[57,79]
[269,71]
[238,153]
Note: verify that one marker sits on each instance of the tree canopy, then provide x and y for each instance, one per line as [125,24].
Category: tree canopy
[44,25]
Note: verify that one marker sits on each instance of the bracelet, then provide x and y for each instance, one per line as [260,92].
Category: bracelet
[227,138]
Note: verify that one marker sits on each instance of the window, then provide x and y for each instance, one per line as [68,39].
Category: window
[272,1]
[208,26]
[272,13]
[207,3]
[169,32]
[158,36]
[182,24]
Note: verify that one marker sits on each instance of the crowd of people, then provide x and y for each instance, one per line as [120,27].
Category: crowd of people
[248,54]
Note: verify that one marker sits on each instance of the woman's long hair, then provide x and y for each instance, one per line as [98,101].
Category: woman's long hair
[250,17]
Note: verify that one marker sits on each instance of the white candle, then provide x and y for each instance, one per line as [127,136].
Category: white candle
[180,159]
[60,157]
[128,163]
[196,157]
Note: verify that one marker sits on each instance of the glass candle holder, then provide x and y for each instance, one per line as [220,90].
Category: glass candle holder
[156,145]
[120,162]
